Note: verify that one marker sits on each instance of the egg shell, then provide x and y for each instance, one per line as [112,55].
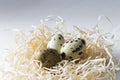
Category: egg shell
[73,49]
[56,42]
[49,57]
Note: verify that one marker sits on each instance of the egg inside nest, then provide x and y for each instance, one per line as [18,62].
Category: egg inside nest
[97,62]
[49,57]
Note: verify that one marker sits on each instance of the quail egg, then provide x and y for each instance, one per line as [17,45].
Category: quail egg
[49,57]
[73,49]
[56,42]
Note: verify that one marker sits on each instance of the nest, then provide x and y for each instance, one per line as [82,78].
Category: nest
[97,63]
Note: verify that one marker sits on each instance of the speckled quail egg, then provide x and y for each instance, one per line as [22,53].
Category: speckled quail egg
[56,42]
[73,49]
[49,57]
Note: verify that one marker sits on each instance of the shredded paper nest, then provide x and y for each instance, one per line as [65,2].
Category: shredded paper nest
[97,63]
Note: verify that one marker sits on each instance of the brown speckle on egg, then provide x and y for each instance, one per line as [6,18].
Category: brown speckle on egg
[77,49]
[71,48]
[80,46]
[71,41]
[59,38]
[70,57]
[80,53]
[60,44]
[66,41]
[76,40]
[83,41]
[73,51]
[63,55]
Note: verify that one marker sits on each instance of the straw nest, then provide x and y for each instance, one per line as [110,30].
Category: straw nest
[97,62]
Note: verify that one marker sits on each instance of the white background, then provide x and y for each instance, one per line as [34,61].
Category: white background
[22,14]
